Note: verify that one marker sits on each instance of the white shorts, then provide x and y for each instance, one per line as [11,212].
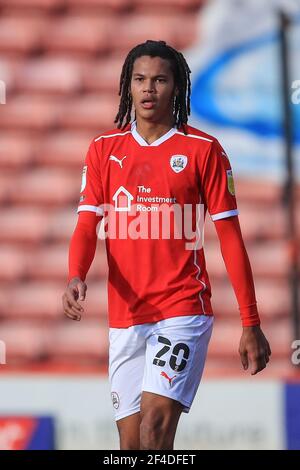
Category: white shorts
[166,358]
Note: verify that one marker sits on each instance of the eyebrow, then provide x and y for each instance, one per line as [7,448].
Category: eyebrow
[156,76]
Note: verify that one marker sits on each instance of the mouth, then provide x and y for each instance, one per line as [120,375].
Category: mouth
[147,103]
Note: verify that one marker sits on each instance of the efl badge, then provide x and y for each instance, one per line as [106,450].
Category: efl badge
[178,163]
[83,180]
[230,183]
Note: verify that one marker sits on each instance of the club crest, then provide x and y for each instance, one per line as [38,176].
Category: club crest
[178,162]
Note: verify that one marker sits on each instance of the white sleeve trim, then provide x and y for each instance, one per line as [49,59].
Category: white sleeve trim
[222,215]
[98,210]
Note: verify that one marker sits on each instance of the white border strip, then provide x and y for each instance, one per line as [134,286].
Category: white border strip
[198,216]
[112,135]
[96,209]
[194,136]
[157,142]
[223,215]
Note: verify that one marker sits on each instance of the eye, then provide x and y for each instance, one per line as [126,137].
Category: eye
[161,80]
[139,79]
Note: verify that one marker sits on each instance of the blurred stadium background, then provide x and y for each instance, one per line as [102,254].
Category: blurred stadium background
[60,61]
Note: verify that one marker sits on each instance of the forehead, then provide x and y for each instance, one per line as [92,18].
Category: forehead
[151,66]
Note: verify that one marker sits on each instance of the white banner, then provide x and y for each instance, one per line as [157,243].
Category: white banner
[225,414]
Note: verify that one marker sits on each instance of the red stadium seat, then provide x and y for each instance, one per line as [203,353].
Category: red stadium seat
[21,35]
[227,334]
[79,34]
[272,298]
[268,259]
[30,112]
[61,223]
[26,225]
[35,300]
[47,186]
[51,263]
[80,341]
[7,186]
[114,5]
[138,28]
[256,191]
[103,75]
[172,4]
[46,5]
[13,264]
[25,342]
[90,112]
[9,67]
[64,149]
[41,300]
[258,222]
[50,75]
[16,150]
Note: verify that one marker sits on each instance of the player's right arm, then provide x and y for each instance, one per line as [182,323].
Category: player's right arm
[84,239]
[81,254]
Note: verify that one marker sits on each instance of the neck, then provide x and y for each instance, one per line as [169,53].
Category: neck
[151,130]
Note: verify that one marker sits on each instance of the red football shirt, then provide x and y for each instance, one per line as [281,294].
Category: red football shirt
[154,199]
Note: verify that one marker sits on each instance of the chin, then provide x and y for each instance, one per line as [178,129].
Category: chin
[148,115]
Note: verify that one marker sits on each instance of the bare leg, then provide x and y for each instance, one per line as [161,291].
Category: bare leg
[129,432]
[159,420]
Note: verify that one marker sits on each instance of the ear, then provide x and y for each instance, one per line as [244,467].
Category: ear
[176,91]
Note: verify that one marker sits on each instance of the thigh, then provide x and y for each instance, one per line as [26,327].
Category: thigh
[129,432]
[175,357]
[159,420]
[161,409]
[126,368]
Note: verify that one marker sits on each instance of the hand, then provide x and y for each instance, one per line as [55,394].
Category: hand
[75,289]
[254,347]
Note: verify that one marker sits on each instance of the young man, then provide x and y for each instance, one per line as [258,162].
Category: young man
[160,315]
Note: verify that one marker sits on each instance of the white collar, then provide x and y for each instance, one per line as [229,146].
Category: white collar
[157,142]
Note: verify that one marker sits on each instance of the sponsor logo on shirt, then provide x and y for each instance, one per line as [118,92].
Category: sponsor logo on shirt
[122,199]
[148,215]
[119,161]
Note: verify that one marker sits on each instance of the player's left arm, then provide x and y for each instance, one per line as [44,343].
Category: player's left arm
[218,193]
[254,347]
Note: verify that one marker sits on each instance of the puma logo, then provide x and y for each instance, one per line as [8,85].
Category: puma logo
[115,159]
[168,378]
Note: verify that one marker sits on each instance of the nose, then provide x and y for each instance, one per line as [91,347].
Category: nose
[148,86]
